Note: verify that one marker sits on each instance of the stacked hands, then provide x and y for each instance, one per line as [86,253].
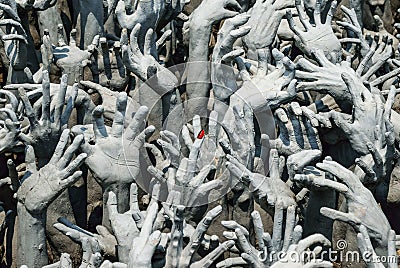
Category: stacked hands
[269,146]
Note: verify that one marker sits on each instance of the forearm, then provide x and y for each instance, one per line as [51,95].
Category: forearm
[31,244]
[198,77]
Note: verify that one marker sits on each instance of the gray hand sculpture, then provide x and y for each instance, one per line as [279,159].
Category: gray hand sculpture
[116,151]
[45,128]
[271,249]
[265,17]
[182,256]
[143,64]
[362,207]
[258,91]
[38,189]
[320,36]
[269,190]
[107,242]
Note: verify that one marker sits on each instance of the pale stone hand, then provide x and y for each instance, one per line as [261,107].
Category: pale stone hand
[144,64]
[265,17]
[46,127]
[266,254]
[114,157]
[126,226]
[91,256]
[71,59]
[15,42]
[10,130]
[320,36]
[178,255]
[39,188]
[116,151]
[187,177]
[268,190]
[144,245]
[362,207]
[267,90]
[105,239]
[326,78]
[296,132]
[368,110]
[107,67]
[222,74]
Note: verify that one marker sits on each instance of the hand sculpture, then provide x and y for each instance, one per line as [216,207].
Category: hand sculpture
[188,177]
[38,189]
[126,227]
[71,59]
[116,151]
[15,42]
[296,131]
[104,238]
[222,72]
[258,91]
[320,36]
[177,255]
[144,245]
[270,249]
[265,17]
[108,68]
[44,133]
[368,110]
[269,190]
[359,199]
[143,64]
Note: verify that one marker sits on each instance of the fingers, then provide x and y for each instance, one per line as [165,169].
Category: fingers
[69,107]
[258,229]
[320,183]
[341,216]
[290,224]
[117,128]
[13,174]
[30,159]
[112,206]
[60,99]
[70,152]
[30,113]
[148,42]
[73,166]
[278,226]
[46,98]
[137,123]
[317,12]
[62,143]
[99,128]
[214,255]
[331,13]
[133,199]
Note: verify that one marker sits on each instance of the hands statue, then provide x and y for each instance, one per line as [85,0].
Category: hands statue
[320,36]
[270,249]
[38,189]
[258,91]
[143,64]
[46,127]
